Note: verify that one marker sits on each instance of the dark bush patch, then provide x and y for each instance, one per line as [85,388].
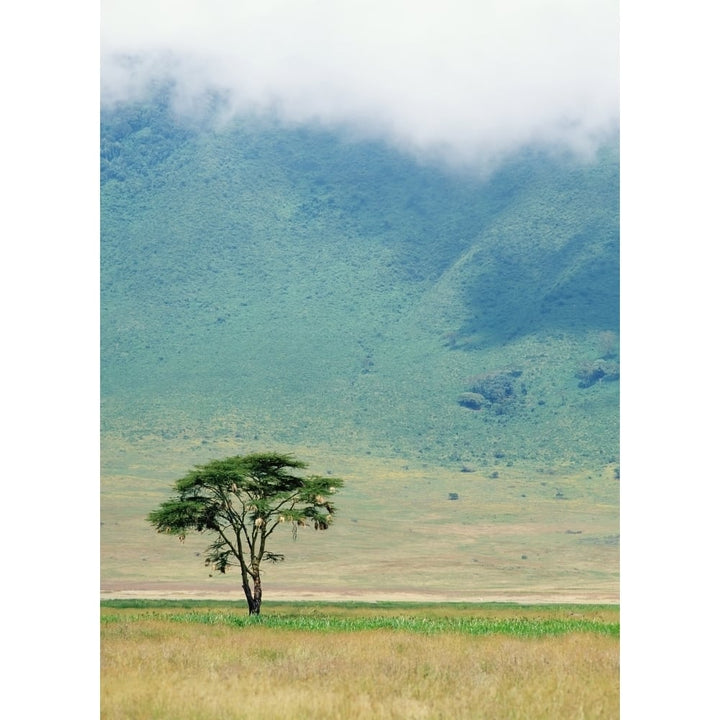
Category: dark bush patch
[473,401]
[495,387]
[494,390]
[592,372]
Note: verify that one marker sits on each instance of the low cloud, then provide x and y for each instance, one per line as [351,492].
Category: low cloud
[465,81]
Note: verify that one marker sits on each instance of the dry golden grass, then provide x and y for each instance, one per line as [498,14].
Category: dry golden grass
[157,669]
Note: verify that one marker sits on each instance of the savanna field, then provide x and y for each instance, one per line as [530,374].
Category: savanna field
[385,660]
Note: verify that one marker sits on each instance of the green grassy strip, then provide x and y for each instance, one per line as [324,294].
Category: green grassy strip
[515,627]
[314,605]
[139,604]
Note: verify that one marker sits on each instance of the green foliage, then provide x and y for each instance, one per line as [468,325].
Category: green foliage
[244,499]
[495,389]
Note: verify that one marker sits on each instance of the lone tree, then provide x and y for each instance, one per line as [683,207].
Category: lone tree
[242,500]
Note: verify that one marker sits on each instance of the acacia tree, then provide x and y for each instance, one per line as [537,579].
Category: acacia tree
[242,500]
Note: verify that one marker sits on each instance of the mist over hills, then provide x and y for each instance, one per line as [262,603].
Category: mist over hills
[284,284]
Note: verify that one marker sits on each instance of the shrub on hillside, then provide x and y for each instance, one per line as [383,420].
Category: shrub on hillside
[474,401]
[494,390]
[597,371]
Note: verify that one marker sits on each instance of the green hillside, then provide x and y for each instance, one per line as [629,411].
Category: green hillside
[304,288]
[446,343]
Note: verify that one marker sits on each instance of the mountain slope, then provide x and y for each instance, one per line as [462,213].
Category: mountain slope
[308,289]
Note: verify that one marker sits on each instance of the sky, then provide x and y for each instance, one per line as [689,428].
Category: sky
[466,81]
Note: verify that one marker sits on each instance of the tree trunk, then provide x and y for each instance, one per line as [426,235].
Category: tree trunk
[257,595]
[253,596]
[252,608]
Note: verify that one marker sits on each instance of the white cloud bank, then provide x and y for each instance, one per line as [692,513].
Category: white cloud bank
[466,80]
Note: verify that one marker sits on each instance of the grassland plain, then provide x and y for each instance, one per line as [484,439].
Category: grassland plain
[387,660]
[520,535]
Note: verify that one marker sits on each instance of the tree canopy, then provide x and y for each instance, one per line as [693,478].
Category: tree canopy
[241,500]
